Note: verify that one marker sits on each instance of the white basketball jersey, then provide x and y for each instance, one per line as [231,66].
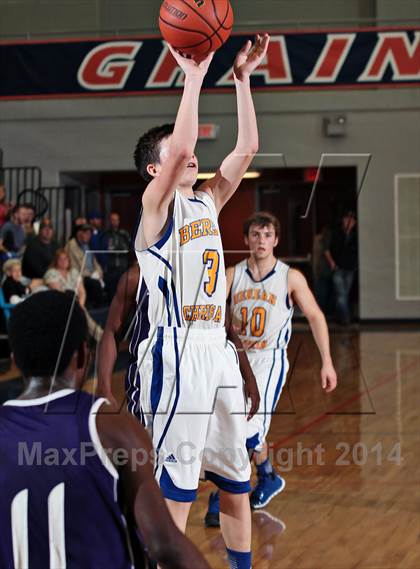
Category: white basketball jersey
[185,271]
[261,310]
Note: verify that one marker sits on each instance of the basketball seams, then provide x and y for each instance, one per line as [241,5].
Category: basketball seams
[221,24]
[184,29]
[202,18]
[215,25]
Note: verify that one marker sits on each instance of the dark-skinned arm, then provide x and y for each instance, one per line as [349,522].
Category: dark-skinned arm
[166,544]
[122,305]
[250,383]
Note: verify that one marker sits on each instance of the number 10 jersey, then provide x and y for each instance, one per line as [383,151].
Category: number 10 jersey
[184,271]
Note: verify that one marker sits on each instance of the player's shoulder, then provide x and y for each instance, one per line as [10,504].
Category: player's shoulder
[296,278]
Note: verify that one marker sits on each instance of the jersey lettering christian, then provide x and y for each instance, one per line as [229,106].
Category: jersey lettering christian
[261,310]
[184,271]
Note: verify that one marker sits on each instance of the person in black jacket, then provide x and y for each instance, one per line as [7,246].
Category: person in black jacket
[39,252]
[342,257]
[16,287]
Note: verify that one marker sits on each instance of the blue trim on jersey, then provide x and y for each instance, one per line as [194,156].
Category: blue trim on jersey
[234,351]
[253,442]
[131,387]
[174,406]
[178,319]
[172,492]
[163,287]
[284,326]
[164,261]
[165,236]
[157,374]
[266,392]
[195,200]
[280,383]
[287,301]
[231,486]
[270,274]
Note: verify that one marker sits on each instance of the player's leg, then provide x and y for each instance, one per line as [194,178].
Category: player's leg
[179,512]
[235,521]
[170,400]
[226,462]
[270,372]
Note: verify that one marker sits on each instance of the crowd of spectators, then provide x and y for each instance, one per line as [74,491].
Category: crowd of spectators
[88,265]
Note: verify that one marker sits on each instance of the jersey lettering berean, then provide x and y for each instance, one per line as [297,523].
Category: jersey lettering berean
[261,310]
[185,272]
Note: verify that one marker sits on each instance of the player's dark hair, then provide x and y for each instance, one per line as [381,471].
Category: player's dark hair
[262,219]
[40,327]
[148,148]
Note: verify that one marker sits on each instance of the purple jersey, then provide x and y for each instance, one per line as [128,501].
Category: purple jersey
[58,504]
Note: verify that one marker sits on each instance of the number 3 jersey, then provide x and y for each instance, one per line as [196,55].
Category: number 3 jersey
[184,271]
[261,309]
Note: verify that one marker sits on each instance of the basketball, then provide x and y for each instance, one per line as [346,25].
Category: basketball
[196,27]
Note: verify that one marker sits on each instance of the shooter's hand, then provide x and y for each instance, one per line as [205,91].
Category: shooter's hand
[328,377]
[250,56]
[191,67]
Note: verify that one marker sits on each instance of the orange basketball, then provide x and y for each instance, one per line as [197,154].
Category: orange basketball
[196,27]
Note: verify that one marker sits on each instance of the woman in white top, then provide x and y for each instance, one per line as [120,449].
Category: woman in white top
[62,277]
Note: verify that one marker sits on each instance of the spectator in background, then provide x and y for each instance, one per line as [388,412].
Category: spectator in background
[342,257]
[62,277]
[97,242]
[15,287]
[5,207]
[28,214]
[39,253]
[117,239]
[322,273]
[12,234]
[82,259]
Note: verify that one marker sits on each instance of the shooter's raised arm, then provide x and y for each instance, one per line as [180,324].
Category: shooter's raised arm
[174,157]
[234,166]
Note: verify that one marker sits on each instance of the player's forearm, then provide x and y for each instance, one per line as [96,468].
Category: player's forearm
[185,133]
[248,140]
[108,352]
[321,336]
[244,365]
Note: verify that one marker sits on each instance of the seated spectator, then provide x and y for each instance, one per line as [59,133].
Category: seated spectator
[12,234]
[85,262]
[15,287]
[28,211]
[78,221]
[97,242]
[117,262]
[4,207]
[40,251]
[62,277]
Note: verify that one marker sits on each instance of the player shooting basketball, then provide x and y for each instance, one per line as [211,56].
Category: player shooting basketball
[191,386]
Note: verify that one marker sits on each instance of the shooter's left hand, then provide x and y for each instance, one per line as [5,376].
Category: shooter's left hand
[250,56]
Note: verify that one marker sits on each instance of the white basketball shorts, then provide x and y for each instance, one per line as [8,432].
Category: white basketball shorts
[193,401]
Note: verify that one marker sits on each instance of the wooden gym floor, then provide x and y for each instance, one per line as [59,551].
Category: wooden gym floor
[351,460]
